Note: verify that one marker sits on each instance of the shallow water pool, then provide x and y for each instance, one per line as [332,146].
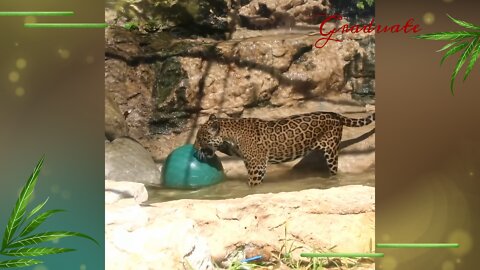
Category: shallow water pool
[275,182]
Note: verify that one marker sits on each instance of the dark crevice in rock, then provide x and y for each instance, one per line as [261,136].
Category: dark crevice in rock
[244,2]
[367,98]
[156,47]
[264,11]
[300,52]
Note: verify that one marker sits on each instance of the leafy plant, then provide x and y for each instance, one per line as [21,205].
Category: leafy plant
[468,41]
[285,255]
[18,245]
[130,26]
[362,3]
[243,266]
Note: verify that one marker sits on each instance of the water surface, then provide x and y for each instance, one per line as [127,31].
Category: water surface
[276,182]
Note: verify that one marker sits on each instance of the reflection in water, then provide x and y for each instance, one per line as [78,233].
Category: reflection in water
[279,182]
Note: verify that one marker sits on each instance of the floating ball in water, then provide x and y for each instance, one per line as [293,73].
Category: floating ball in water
[183,169]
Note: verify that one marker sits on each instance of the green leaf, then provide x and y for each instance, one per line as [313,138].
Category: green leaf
[36,209]
[475,55]
[19,263]
[464,24]
[21,205]
[47,236]
[460,63]
[38,220]
[448,46]
[130,26]
[453,51]
[30,252]
[448,35]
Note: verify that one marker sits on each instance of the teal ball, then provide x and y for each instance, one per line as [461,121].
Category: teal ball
[182,169]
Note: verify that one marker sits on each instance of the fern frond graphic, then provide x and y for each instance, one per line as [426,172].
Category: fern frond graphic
[20,244]
[467,41]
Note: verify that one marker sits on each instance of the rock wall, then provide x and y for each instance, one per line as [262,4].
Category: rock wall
[231,76]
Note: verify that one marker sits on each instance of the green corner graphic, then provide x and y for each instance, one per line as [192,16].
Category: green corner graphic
[18,240]
[468,41]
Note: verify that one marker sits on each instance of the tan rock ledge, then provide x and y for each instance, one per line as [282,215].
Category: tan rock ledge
[204,233]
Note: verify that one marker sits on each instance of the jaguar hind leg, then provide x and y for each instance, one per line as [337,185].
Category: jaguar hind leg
[329,143]
[332,160]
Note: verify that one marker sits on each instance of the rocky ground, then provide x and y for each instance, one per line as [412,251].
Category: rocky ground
[206,234]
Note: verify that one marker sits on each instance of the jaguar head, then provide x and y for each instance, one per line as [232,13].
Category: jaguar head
[208,139]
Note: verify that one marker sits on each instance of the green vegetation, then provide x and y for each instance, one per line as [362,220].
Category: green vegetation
[131,26]
[362,3]
[468,41]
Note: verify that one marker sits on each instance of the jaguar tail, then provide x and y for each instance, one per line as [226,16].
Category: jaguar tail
[354,122]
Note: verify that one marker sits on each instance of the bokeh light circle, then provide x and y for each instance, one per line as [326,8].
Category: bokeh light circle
[13,76]
[448,265]
[20,92]
[21,63]
[429,18]
[463,238]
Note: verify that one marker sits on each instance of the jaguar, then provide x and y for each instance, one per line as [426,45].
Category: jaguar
[259,142]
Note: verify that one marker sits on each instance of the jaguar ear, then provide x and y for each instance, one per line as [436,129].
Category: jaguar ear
[212,117]
[214,127]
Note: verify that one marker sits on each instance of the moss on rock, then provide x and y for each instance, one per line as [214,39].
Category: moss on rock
[169,97]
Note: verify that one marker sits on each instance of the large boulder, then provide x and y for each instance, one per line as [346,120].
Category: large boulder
[339,219]
[127,160]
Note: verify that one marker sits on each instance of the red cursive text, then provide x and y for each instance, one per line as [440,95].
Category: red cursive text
[368,28]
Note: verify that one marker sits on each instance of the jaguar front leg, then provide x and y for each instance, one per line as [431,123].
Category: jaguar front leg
[256,168]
